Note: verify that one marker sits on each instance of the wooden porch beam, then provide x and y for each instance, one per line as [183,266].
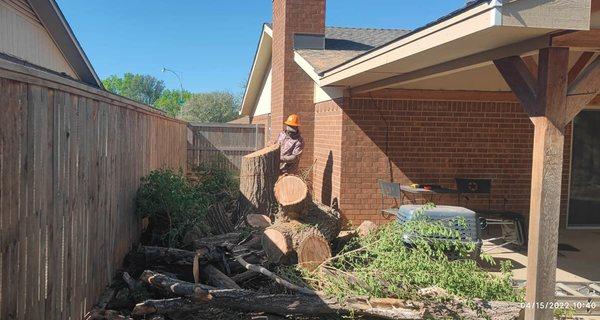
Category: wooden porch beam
[521,81]
[588,40]
[546,182]
[583,89]
[531,65]
[581,62]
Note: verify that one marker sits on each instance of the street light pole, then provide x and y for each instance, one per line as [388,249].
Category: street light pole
[164,69]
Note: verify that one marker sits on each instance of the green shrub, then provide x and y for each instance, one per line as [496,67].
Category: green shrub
[176,204]
[172,204]
[215,183]
[382,265]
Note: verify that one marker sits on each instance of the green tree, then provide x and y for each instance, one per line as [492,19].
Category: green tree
[218,106]
[142,88]
[172,100]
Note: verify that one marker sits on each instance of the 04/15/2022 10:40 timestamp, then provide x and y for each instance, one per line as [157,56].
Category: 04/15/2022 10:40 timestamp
[577,305]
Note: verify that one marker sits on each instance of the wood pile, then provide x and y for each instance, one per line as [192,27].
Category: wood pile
[229,275]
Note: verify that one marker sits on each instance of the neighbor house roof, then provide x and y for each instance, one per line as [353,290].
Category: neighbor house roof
[57,26]
[343,44]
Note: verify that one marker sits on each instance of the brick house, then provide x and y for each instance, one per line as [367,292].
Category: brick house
[499,89]
[363,121]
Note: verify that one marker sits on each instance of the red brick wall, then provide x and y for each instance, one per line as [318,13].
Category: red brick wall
[434,142]
[291,88]
[328,151]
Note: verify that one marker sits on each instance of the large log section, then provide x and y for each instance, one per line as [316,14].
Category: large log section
[551,102]
[259,172]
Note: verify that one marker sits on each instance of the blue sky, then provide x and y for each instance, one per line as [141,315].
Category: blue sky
[210,43]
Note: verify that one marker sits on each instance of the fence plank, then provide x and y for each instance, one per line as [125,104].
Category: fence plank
[223,144]
[70,165]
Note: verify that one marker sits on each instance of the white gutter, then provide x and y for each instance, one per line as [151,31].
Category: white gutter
[496,13]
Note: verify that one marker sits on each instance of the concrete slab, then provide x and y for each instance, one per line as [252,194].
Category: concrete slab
[573,266]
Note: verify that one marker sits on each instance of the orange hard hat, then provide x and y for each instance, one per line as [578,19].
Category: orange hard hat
[293,120]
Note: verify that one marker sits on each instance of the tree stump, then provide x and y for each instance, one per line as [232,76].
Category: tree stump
[293,241]
[291,193]
[258,173]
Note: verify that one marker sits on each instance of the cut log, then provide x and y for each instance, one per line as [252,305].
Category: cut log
[195,292]
[258,221]
[165,306]
[245,276]
[325,218]
[274,277]
[366,228]
[258,173]
[218,221]
[232,238]
[216,278]
[283,240]
[313,250]
[322,305]
[291,192]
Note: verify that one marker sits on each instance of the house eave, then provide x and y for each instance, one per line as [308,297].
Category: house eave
[481,28]
[260,66]
[54,21]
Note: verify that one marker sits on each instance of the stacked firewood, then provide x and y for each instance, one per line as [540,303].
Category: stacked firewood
[230,275]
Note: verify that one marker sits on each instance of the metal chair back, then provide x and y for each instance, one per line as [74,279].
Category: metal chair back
[391,190]
[474,186]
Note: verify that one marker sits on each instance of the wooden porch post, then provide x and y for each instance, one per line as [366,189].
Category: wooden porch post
[551,102]
[545,101]
[546,181]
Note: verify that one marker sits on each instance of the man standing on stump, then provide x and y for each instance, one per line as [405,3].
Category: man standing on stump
[291,143]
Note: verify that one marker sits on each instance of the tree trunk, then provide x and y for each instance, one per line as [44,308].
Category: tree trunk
[291,192]
[258,174]
[293,241]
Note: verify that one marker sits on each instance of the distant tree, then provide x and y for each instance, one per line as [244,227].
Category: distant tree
[218,106]
[142,88]
[171,101]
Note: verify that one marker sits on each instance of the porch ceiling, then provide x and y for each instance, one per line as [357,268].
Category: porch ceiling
[449,54]
[484,77]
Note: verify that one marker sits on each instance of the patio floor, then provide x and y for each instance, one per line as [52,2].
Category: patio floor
[578,256]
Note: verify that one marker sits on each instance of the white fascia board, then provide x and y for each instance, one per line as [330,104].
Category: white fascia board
[260,67]
[307,67]
[322,94]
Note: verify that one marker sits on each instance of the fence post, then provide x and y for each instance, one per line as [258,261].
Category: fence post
[255,137]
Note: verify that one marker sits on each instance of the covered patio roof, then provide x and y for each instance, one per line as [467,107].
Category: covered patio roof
[543,51]
[469,38]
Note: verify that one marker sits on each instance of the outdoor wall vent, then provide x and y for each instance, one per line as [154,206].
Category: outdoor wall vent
[309,41]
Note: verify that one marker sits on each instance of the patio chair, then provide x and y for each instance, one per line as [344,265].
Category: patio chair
[389,190]
[511,223]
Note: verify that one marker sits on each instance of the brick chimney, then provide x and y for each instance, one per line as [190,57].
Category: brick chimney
[291,88]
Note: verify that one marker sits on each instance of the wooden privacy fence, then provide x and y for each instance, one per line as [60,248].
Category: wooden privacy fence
[223,143]
[71,159]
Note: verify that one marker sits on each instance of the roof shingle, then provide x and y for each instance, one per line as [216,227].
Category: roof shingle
[343,44]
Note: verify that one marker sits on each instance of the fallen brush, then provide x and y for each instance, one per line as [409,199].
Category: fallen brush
[193,296]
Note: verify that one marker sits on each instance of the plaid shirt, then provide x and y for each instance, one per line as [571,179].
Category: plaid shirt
[291,148]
